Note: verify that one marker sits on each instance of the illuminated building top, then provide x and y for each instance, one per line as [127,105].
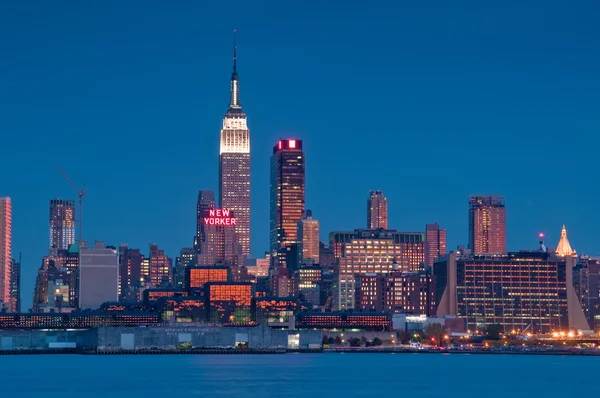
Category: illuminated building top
[235,136]
[564,247]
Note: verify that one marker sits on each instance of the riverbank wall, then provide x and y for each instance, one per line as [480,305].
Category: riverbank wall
[160,337]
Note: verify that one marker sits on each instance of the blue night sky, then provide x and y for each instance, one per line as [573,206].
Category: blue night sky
[426,101]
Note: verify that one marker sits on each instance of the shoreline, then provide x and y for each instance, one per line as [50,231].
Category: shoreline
[209,351]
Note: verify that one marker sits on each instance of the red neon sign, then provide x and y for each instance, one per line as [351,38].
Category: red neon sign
[219,217]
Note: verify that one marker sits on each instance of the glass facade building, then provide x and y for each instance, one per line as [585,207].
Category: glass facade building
[229,302]
[521,291]
[62,223]
[287,193]
[197,276]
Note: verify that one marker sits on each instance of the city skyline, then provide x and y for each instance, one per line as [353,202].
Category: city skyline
[123,218]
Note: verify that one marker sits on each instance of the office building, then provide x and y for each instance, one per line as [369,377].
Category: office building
[487,225]
[234,163]
[306,283]
[344,321]
[326,256]
[62,223]
[15,288]
[259,267]
[217,241]
[185,260]
[411,244]
[375,252]
[287,193]
[377,211]
[524,291]
[435,243]
[396,292]
[98,275]
[276,311]
[161,267]
[5,253]
[308,239]
[586,281]
[130,272]
[197,276]
[206,202]
[229,302]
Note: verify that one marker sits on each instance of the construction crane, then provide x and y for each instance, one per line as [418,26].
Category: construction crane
[80,194]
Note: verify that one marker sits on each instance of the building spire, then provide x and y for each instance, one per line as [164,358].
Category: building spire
[234,52]
[564,247]
[234,99]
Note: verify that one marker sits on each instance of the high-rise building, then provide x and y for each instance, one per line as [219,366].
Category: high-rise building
[15,281]
[487,225]
[372,253]
[377,211]
[206,202]
[521,291]
[182,263]
[287,193]
[217,241]
[98,275]
[130,271]
[308,239]
[435,243]
[411,244]
[161,267]
[234,163]
[396,292]
[5,253]
[59,264]
[62,223]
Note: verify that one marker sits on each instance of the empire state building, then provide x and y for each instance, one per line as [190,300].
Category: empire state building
[234,162]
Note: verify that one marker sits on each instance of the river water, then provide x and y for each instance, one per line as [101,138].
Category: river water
[299,375]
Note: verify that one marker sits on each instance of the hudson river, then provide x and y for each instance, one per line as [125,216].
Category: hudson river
[299,375]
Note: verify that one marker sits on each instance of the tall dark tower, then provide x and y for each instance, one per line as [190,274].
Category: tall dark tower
[206,201]
[287,193]
[234,162]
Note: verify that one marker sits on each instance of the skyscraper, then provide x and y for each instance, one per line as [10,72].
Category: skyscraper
[435,243]
[62,223]
[206,201]
[308,239]
[234,162]
[377,211]
[130,271]
[15,281]
[5,253]
[487,225]
[216,242]
[287,193]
